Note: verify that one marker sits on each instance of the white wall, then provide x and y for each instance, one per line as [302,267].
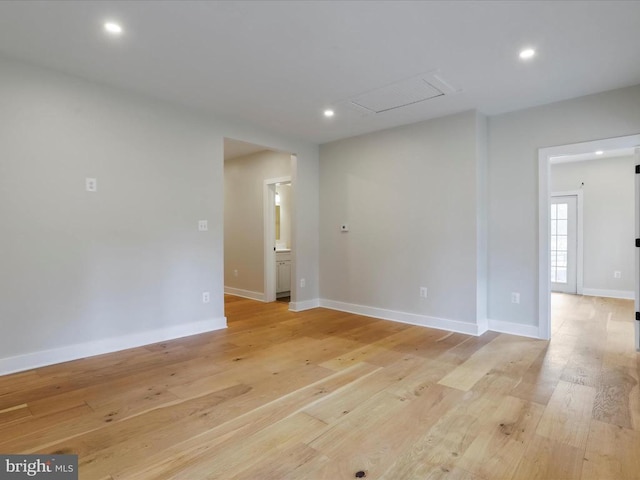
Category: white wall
[84,273]
[410,197]
[244,217]
[514,140]
[609,224]
[407,176]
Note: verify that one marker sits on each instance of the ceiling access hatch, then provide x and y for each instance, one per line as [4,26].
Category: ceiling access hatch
[402,94]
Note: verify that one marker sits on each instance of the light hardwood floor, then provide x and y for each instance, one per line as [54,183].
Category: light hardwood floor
[324,394]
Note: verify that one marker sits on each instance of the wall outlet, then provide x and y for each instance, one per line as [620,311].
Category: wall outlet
[423,292]
[303,283]
[206,297]
[617,274]
[515,297]
[91,184]
[235,273]
[203,225]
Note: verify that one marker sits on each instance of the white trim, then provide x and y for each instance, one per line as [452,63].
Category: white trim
[483,325]
[636,214]
[294,236]
[404,317]
[304,305]
[239,292]
[579,233]
[269,237]
[108,345]
[600,292]
[544,154]
[511,328]
[544,273]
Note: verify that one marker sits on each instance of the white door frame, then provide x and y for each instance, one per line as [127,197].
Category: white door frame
[637,276]
[269,202]
[544,274]
[579,231]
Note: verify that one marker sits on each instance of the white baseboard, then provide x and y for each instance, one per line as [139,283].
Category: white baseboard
[511,328]
[404,317]
[598,292]
[483,326]
[108,345]
[304,305]
[238,292]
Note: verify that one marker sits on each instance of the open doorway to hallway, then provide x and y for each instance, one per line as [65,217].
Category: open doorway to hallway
[587,216]
[258,220]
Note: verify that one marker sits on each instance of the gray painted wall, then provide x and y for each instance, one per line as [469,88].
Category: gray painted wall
[80,267]
[514,140]
[77,266]
[244,216]
[608,212]
[410,196]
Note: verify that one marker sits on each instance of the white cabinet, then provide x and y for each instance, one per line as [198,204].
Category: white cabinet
[283,273]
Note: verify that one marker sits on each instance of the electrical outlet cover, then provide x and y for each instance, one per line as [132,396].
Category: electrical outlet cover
[91,184]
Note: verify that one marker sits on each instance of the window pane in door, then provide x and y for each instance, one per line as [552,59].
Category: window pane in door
[558,239]
[561,259]
[561,275]
[562,211]
[562,227]
[561,242]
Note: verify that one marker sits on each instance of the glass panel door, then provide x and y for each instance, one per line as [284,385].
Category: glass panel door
[563,243]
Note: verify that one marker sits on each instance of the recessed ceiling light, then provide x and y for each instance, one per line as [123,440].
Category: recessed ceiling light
[113,28]
[527,53]
[599,152]
[329,113]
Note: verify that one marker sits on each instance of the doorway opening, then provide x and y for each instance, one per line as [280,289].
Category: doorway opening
[252,175]
[278,209]
[551,259]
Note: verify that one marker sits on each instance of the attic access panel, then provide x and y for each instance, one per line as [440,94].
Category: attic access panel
[397,95]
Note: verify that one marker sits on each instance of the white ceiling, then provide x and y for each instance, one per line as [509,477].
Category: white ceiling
[580,157]
[279,64]
[236,148]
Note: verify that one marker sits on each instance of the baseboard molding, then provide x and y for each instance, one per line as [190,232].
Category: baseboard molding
[403,317]
[483,326]
[511,328]
[238,292]
[109,345]
[597,292]
[304,305]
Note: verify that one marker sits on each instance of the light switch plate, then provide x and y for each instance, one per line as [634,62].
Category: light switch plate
[203,225]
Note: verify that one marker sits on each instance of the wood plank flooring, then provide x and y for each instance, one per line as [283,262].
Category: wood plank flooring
[324,394]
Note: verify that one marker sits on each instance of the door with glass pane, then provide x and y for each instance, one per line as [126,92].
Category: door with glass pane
[564,243]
